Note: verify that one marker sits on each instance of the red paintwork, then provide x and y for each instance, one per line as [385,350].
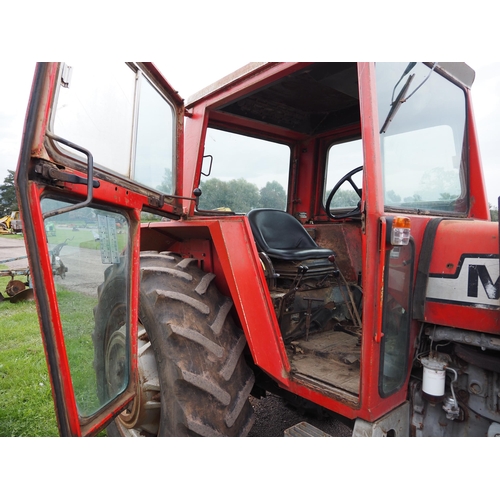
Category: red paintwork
[241,271]
[479,207]
[48,287]
[131,203]
[453,240]
[199,112]
[224,245]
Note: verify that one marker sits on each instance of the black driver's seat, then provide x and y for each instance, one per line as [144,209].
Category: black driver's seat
[281,236]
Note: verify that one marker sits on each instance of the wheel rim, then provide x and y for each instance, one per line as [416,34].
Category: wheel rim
[142,416]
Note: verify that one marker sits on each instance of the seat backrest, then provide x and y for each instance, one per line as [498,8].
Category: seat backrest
[282,236]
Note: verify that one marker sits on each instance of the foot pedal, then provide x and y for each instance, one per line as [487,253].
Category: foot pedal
[304,429]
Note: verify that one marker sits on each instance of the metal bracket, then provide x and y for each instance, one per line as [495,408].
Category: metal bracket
[396,423]
[50,172]
[156,201]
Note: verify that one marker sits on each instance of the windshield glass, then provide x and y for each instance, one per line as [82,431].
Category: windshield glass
[422,141]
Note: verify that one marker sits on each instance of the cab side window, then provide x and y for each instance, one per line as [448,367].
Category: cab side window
[341,159]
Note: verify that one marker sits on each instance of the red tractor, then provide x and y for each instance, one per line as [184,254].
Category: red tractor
[315,230]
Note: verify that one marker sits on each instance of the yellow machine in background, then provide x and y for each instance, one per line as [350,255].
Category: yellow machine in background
[11,223]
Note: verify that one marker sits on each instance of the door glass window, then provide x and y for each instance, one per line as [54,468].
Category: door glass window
[396,318]
[115,112]
[89,251]
[155,140]
[95,109]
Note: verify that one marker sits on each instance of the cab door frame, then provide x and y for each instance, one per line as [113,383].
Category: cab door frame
[123,195]
[374,230]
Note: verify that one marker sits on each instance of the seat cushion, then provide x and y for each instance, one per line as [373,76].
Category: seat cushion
[282,236]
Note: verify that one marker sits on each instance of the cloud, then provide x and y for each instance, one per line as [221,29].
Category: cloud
[486,106]
[15,85]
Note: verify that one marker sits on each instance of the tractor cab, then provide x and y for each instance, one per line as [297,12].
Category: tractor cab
[358,159]
[284,230]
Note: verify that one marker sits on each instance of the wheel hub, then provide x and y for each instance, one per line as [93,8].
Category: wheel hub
[142,415]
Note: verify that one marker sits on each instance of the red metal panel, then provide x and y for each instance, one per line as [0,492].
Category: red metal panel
[194,135]
[453,239]
[463,282]
[304,184]
[479,207]
[53,336]
[372,258]
[459,316]
[238,259]
[243,270]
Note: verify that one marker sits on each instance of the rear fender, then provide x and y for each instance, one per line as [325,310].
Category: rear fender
[224,246]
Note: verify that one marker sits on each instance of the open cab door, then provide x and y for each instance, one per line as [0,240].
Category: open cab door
[101,144]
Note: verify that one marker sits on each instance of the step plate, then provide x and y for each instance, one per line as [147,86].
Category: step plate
[303,429]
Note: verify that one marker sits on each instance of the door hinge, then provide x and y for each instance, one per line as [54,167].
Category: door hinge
[56,176]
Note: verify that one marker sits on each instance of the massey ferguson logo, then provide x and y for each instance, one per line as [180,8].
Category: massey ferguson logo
[478,273]
[475,282]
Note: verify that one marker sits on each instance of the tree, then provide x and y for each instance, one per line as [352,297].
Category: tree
[447,196]
[243,195]
[392,197]
[238,195]
[344,198]
[493,213]
[214,194]
[272,195]
[8,200]
[166,183]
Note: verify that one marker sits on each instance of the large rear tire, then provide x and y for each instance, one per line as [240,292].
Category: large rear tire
[194,380]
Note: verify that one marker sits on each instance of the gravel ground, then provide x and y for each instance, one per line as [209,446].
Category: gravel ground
[11,248]
[274,416]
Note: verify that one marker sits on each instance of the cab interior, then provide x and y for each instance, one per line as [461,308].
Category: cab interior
[312,261]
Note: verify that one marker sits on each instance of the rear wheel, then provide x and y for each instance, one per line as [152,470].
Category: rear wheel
[194,380]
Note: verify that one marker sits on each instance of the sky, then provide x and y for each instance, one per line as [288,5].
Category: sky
[187,80]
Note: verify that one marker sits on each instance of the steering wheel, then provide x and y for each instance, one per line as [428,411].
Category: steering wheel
[355,212]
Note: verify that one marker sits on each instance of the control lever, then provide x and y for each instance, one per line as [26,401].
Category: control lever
[301,271]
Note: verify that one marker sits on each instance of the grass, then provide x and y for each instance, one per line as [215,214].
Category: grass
[13,236]
[78,324]
[26,406]
[82,237]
